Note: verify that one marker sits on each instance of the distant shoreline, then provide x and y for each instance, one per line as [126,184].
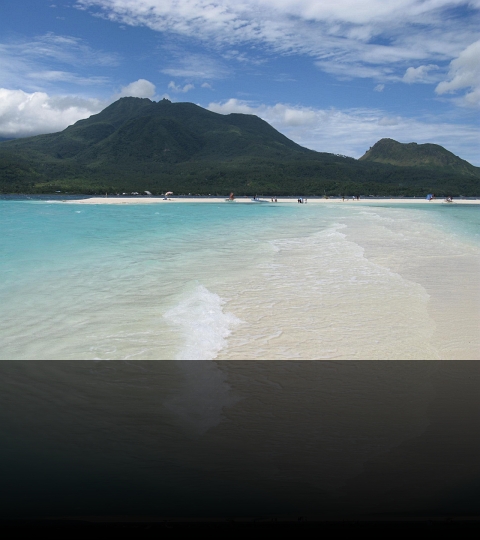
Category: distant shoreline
[279,200]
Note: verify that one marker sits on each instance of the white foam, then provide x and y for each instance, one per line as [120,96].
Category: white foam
[204,325]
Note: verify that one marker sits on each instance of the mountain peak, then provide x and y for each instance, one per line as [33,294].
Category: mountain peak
[413,155]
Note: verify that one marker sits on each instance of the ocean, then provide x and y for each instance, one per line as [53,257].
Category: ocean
[254,281]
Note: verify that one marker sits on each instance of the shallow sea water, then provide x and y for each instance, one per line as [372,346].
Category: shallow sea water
[238,281]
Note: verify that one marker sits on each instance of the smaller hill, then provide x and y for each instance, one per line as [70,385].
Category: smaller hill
[417,155]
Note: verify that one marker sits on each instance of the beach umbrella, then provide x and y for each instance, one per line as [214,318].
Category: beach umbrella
[168,193]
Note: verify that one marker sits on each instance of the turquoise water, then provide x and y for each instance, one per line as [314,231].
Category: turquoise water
[459,219]
[214,280]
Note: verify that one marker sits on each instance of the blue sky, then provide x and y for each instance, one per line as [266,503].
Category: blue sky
[334,76]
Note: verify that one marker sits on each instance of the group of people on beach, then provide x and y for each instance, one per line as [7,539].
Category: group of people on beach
[302,201]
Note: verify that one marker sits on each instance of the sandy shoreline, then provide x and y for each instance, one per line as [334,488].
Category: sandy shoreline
[248,200]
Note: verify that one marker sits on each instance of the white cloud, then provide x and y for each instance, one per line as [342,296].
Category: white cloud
[352,131]
[464,74]
[194,66]
[207,85]
[233,106]
[175,88]
[379,88]
[419,75]
[347,69]
[357,17]
[355,38]
[65,49]
[47,60]
[23,114]
[141,88]
[66,76]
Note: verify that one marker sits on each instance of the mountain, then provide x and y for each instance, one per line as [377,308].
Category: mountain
[142,130]
[417,155]
[136,144]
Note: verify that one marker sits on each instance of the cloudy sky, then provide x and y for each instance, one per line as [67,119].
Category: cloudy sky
[333,75]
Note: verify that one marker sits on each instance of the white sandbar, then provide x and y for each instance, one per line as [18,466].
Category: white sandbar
[158,200]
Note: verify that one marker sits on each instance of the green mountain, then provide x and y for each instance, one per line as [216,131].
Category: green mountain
[417,155]
[136,144]
[145,131]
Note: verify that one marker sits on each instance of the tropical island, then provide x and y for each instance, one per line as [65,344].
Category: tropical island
[136,145]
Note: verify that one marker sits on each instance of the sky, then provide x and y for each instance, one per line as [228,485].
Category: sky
[332,75]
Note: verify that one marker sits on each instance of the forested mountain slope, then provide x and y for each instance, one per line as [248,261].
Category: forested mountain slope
[136,144]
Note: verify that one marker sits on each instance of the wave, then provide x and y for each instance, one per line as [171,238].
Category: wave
[204,325]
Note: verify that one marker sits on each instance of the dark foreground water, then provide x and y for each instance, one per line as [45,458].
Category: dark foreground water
[157,440]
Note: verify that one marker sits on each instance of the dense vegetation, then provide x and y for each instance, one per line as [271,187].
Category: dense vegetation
[413,155]
[136,145]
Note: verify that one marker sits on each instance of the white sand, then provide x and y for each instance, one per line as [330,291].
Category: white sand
[160,200]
